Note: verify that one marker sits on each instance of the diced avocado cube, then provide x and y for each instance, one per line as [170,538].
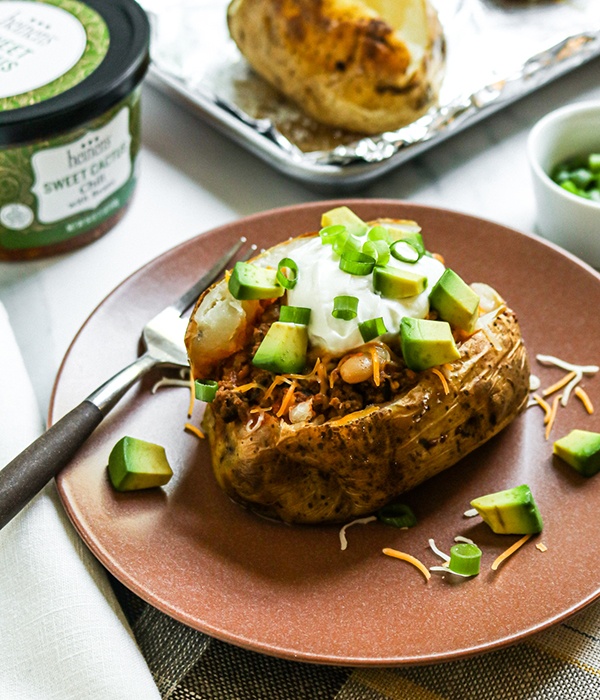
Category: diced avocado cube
[135,464]
[510,512]
[283,349]
[581,450]
[344,216]
[426,343]
[393,283]
[455,301]
[248,281]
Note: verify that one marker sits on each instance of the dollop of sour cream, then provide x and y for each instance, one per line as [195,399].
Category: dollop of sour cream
[320,280]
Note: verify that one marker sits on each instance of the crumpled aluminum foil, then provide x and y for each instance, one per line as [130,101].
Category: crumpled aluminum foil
[496,52]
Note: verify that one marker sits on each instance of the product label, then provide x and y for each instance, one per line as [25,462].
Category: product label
[57,189]
[46,48]
[75,178]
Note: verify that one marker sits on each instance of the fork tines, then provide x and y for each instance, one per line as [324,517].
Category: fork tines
[190,296]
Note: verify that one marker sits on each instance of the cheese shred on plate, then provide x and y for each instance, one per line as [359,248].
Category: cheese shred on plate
[582,395]
[511,550]
[358,521]
[193,429]
[408,558]
[569,384]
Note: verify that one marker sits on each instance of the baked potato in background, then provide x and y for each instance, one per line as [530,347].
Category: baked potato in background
[361,65]
[323,465]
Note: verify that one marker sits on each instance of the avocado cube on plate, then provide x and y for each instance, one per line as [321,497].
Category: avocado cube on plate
[135,464]
[581,450]
[510,512]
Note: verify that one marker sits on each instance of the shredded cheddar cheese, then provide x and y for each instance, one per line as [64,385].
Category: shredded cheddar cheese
[442,379]
[246,387]
[559,384]
[287,399]
[582,395]
[538,400]
[195,430]
[279,379]
[408,558]
[192,396]
[376,365]
[508,552]
[541,546]
[352,416]
[552,416]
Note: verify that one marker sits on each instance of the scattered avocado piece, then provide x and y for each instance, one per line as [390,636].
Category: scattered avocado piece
[135,464]
[510,512]
[581,450]
[345,217]
[283,349]
[393,283]
[426,343]
[455,301]
[248,281]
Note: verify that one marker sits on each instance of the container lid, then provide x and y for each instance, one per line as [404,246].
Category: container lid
[65,62]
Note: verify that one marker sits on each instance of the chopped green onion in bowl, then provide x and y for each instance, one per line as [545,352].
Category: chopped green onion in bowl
[579,176]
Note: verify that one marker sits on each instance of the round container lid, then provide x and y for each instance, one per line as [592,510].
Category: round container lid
[90,55]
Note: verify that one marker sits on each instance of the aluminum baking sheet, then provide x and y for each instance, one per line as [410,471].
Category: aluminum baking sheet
[497,52]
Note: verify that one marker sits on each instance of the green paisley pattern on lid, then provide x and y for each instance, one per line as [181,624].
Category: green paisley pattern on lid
[97,42]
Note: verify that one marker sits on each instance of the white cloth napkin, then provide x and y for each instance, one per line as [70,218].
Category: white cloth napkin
[62,633]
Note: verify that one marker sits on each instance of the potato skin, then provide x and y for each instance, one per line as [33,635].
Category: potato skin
[307,473]
[339,61]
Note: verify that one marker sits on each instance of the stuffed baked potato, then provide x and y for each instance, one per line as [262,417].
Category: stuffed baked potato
[357,418]
[361,65]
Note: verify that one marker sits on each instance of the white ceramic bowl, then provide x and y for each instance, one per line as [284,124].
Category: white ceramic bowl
[568,220]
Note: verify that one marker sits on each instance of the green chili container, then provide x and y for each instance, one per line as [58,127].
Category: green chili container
[70,83]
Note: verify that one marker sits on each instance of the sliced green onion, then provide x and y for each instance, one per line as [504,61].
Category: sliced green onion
[377,249]
[345,307]
[294,314]
[351,245]
[407,251]
[340,241]
[379,233]
[465,559]
[372,328]
[205,389]
[357,263]
[397,515]
[287,273]
[330,233]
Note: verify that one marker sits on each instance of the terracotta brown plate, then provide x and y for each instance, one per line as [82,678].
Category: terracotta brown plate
[290,591]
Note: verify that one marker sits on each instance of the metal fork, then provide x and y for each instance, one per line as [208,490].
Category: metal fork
[163,336]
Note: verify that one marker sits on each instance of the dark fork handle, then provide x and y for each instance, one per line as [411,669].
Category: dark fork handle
[29,472]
